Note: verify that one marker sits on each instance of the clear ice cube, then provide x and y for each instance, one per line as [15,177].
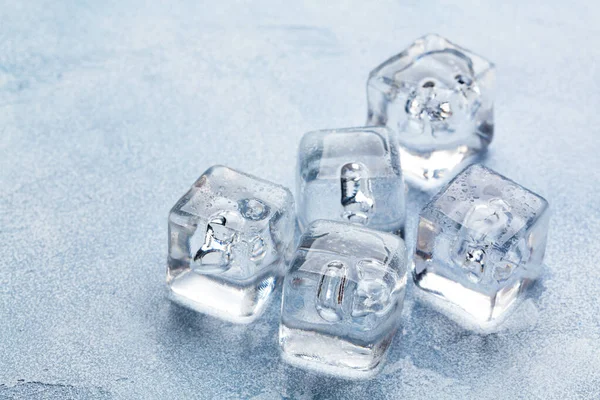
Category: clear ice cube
[480,244]
[229,242]
[342,299]
[438,98]
[352,175]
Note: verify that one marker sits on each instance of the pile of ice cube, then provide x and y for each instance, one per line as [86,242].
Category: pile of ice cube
[480,240]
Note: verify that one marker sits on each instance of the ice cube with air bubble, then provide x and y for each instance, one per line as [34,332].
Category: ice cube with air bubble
[229,244]
[438,98]
[480,245]
[351,175]
[342,299]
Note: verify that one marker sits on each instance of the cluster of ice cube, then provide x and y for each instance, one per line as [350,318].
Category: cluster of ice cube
[480,240]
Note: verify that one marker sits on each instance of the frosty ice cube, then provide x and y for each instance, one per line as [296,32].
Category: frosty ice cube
[438,98]
[342,299]
[480,244]
[229,239]
[351,175]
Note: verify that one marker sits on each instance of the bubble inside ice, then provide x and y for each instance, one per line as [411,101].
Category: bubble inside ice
[253,209]
[357,198]
[331,291]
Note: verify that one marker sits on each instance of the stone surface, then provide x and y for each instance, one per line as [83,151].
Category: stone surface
[439,99]
[352,175]
[342,299]
[480,244]
[108,110]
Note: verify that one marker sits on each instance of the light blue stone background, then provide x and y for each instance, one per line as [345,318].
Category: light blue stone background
[109,110]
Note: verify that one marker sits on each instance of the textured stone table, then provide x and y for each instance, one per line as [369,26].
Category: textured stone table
[110,110]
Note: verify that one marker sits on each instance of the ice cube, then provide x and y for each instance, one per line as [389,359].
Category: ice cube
[342,299]
[438,98]
[480,244]
[229,242]
[351,175]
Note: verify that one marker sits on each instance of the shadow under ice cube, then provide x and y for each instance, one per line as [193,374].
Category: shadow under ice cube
[352,175]
[480,243]
[342,299]
[438,98]
[229,239]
